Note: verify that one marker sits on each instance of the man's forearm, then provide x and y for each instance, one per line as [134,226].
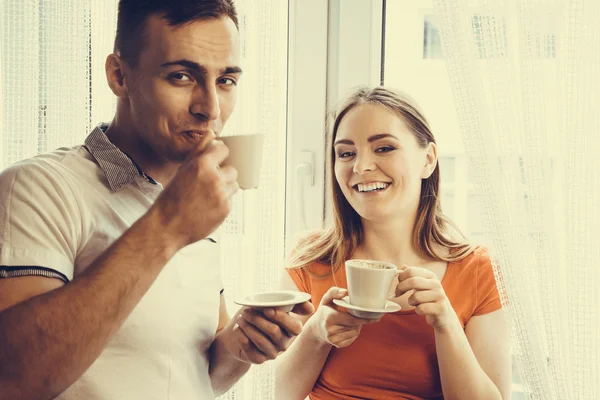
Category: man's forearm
[225,370]
[461,375]
[48,341]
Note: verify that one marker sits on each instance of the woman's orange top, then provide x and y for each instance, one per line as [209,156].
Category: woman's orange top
[396,358]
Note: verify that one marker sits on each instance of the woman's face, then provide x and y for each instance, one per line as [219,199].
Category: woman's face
[379,164]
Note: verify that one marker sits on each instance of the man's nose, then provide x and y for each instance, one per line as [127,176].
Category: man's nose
[206,102]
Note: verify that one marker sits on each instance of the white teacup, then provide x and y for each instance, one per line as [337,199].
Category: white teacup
[245,154]
[369,282]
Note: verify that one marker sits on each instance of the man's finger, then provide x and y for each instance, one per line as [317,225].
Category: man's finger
[204,143]
[262,343]
[276,325]
[305,308]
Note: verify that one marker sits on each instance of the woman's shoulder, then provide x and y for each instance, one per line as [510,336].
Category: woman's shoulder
[474,265]
[313,271]
[472,284]
[477,256]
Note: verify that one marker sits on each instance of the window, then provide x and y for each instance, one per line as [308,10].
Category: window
[414,63]
[432,43]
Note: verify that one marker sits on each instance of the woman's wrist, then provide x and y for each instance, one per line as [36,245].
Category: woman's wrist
[311,334]
[452,324]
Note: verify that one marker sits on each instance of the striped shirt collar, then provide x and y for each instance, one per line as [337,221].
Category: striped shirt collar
[119,168]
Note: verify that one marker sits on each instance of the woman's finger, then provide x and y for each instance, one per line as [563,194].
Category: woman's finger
[344,336]
[333,293]
[416,283]
[425,296]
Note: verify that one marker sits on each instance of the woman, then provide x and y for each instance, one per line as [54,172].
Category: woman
[450,339]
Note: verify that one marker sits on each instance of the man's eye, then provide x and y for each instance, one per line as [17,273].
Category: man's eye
[227,81]
[179,76]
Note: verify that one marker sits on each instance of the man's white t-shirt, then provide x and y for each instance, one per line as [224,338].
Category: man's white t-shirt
[58,213]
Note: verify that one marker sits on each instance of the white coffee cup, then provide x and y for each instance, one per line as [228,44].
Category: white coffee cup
[245,154]
[369,282]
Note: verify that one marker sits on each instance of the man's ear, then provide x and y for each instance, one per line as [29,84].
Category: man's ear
[431,160]
[115,75]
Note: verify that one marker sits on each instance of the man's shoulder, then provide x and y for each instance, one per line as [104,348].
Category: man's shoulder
[64,167]
[54,164]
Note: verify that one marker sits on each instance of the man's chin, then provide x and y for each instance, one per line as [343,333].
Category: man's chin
[177,156]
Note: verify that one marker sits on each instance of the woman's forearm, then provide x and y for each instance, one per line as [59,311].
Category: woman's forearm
[300,366]
[461,375]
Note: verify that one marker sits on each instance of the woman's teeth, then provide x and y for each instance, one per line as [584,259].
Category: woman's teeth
[370,187]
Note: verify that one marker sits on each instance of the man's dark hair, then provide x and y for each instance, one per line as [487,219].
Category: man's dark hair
[133,14]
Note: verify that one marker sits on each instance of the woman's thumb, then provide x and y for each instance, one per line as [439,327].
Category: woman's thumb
[333,293]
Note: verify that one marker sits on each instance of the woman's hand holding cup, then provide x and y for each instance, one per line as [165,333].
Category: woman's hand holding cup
[428,297]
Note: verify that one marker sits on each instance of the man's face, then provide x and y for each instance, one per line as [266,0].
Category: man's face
[184,85]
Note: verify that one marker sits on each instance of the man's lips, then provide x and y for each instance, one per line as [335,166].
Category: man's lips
[196,134]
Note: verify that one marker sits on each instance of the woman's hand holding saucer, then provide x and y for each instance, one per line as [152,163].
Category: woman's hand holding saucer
[333,327]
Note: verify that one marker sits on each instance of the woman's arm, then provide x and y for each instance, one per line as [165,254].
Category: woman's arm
[475,365]
[300,366]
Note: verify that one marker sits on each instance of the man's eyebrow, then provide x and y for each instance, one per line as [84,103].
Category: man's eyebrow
[231,70]
[200,68]
[371,139]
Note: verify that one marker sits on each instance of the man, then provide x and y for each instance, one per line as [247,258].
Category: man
[111,286]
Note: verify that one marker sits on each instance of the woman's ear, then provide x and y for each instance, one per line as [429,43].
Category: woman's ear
[430,161]
[115,75]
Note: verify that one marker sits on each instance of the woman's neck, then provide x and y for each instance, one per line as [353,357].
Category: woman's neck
[390,241]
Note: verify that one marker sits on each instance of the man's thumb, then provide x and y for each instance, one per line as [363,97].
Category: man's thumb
[205,141]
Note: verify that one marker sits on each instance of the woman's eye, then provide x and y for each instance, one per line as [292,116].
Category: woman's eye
[345,154]
[384,149]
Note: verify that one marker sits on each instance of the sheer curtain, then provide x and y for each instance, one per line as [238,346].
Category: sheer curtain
[524,76]
[53,91]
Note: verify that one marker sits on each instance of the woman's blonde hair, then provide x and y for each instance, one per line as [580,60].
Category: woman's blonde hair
[337,244]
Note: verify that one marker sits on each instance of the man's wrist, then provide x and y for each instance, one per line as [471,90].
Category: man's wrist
[225,339]
[164,243]
[169,243]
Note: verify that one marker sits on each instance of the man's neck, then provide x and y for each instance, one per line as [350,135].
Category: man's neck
[122,135]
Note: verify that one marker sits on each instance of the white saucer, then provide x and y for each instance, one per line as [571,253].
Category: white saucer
[284,299]
[367,313]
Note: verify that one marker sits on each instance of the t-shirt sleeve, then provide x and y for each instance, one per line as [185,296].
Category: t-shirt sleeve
[299,277]
[488,298]
[40,222]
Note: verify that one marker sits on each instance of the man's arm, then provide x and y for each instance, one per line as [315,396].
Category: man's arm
[251,337]
[48,341]
[225,370]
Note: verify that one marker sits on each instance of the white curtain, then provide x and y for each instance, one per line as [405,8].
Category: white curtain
[526,84]
[53,91]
